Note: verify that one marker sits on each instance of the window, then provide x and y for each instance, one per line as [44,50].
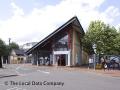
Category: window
[61,44]
[21,58]
[18,58]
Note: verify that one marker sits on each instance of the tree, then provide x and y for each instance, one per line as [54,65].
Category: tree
[2,51]
[117,44]
[87,45]
[103,35]
[93,35]
[6,49]
[13,45]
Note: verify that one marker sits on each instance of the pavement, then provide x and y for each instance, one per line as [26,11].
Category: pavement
[112,73]
[7,72]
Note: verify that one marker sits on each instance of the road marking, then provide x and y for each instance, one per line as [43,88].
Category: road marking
[25,69]
[16,70]
[20,67]
[43,72]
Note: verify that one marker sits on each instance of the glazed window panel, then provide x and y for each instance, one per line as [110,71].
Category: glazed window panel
[21,58]
[18,58]
[61,44]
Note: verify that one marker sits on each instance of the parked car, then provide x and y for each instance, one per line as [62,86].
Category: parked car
[115,62]
[115,58]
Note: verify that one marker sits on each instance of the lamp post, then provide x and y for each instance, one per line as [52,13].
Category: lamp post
[94,47]
[9,41]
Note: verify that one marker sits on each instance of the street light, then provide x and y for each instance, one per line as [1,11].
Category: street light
[94,47]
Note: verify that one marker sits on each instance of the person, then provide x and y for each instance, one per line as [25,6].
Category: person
[108,64]
[113,64]
[90,62]
[104,65]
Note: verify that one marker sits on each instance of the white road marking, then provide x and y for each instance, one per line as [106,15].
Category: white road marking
[43,72]
[25,69]
[20,67]
[16,70]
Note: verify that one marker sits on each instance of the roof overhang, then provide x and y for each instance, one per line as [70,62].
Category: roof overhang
[73,20]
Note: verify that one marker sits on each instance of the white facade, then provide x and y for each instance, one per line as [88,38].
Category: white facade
[67,53]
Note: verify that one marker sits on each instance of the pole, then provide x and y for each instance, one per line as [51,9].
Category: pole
[9,40]
[94,61]
[94,47]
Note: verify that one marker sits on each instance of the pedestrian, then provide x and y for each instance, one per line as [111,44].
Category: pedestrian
[108,64]
[90,62]
[104,65]
[113,64]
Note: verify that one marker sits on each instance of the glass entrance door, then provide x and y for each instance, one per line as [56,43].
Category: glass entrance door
[61,59]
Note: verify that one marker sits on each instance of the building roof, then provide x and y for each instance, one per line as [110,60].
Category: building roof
[73,20]
[19,52]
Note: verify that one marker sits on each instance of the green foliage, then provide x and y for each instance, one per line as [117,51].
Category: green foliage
[2,51]
[2,47]
[104,36]
[117,43]
[5,49]
[13,45]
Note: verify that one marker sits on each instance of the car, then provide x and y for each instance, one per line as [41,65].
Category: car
[115,59]
[115,62]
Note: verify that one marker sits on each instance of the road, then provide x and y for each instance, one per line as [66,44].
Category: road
[51,78]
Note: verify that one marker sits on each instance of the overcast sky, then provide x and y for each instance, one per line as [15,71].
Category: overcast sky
[31,20]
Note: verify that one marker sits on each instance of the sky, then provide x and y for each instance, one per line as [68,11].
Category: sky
[31,20]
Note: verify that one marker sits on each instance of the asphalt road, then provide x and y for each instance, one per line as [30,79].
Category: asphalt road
[41,78]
